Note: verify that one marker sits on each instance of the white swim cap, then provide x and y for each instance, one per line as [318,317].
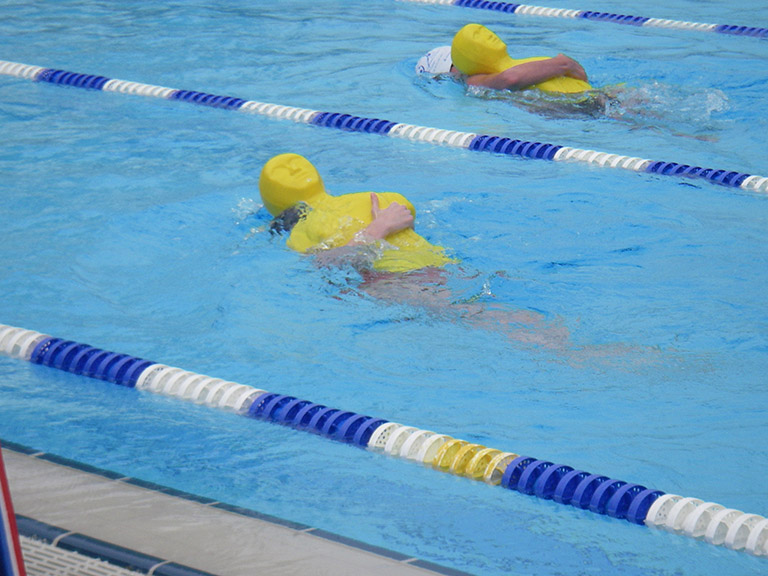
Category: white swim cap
[437,61]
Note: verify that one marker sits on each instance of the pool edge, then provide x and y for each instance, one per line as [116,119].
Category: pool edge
[336,549]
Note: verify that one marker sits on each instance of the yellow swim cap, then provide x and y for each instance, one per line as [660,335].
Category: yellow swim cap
[288,179]
[477,50]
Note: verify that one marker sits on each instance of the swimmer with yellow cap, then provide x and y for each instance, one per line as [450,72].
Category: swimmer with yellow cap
[293,192]
[482,56]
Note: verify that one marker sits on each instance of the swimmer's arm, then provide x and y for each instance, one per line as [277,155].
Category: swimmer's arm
[530,73]
[391,219]
[363,248]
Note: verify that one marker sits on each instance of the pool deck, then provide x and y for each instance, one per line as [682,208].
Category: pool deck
[151,529]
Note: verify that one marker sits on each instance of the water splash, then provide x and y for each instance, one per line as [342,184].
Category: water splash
[681,111]
[674,109]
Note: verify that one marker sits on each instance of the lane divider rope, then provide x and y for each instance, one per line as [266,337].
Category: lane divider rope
[350,123]
[561,483]
[639,21]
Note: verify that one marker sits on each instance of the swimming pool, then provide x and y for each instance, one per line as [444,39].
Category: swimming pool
[129,224]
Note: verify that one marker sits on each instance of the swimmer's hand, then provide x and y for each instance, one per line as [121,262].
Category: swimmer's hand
[571,68]
[391,219]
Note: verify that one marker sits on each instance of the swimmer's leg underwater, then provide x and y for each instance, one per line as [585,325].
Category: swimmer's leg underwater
[402,268]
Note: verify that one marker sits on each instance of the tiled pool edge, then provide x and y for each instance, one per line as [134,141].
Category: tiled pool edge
[128,558]
[102,550]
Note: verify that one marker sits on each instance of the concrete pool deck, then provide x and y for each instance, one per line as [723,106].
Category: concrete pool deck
[137,526]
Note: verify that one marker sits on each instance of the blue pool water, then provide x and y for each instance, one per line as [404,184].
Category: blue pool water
[133,224]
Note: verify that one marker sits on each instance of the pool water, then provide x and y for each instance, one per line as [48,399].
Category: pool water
[134,225]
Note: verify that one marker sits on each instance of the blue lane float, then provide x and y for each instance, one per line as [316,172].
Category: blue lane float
[351,123]
[625,19]
[89,361]
[560,483]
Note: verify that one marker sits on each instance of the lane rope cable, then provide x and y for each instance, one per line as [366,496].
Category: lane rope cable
[350,123]
[692,517]
[638,21]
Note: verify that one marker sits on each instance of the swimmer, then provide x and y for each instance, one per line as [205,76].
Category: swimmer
[481,57]
[555,87]
[374,233]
